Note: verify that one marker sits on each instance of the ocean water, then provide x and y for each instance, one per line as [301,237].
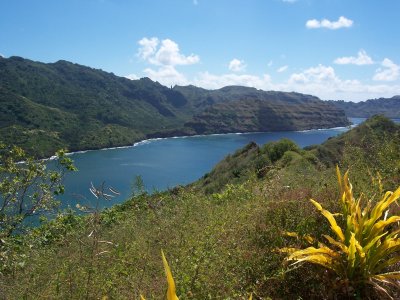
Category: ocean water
[165,163]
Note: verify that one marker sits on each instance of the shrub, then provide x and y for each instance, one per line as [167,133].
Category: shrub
[276,150]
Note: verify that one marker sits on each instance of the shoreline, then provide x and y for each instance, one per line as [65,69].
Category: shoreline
[147,141]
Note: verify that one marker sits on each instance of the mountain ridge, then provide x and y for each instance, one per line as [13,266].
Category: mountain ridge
[80,108]
[389,107]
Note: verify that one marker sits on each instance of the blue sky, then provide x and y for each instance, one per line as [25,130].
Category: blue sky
[334,49]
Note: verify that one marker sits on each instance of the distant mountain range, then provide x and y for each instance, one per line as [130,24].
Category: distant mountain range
[243,109]
[45,107]
[390,107]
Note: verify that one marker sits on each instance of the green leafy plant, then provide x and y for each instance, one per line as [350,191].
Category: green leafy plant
[27,187]
[365,251]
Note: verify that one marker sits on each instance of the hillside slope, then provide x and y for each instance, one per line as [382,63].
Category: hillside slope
[389,107]
[62,104]
[222,244]
[363,147]
[244,109]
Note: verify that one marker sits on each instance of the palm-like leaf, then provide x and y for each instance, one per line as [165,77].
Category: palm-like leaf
[171,292]
[365,248]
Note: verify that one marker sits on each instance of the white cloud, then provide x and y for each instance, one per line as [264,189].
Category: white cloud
[323,82]
[147,47]
[195,2]
[237,65]
[289,1]
[164,57]
[315,75]
[361,59]
[389,72]
[282,69]
[270,63]
[342,22]
[166,53]
[213,81]
[132,76]
[167,75]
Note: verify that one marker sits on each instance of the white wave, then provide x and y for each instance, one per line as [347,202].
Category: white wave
[141,143]
[77,152]
[50,158]
[333,128]
[113,148]
[148,141]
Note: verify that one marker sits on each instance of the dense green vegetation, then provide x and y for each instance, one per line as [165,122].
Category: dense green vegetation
[248,161]
[222,235]
[389,107]
[45,107]
[77,107]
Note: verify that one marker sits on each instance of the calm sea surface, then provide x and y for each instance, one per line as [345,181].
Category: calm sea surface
[165,163]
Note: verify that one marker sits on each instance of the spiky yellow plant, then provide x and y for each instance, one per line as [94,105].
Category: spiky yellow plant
[171,292]
[366,248]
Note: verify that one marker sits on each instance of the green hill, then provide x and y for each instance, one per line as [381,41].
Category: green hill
[48,106]
[84,108]
[360,148]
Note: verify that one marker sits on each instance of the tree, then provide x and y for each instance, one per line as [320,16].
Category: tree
[28,187]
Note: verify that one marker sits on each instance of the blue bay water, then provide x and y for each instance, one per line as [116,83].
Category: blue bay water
[165,163]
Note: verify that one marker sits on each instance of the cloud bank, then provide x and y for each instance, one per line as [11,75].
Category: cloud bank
[164,57]
[389,72]
[342,22]
[361,59]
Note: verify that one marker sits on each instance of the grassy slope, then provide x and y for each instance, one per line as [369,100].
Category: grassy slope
[220,245]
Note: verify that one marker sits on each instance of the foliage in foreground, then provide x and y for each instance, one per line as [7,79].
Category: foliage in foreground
[221,244]
[171,291]
[365,250]
[27,187]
